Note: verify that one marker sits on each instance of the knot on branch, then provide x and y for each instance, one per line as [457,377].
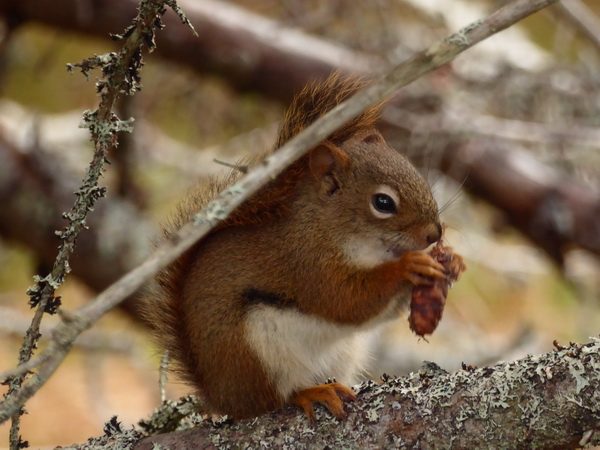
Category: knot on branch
[104,130]
[123,78]
[173,415]
[96,61]
[36,292]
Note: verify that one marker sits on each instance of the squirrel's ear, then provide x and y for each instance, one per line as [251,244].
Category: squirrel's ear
[324,159]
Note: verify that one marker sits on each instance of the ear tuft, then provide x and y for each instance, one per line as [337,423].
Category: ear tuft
[325,158]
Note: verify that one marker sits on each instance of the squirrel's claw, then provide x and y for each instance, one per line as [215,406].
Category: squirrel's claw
[456,266]
[420,268]
[332,395]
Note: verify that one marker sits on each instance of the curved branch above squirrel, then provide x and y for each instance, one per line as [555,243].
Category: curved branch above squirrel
[284,293]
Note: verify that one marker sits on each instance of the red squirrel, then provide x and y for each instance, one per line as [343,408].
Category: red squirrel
[285,293]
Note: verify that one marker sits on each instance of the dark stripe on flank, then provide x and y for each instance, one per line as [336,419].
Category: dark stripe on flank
[255,296]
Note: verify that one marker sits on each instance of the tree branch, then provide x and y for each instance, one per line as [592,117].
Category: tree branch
[438,54]
[120,75]
[582,18]
[552,210]
[551,400]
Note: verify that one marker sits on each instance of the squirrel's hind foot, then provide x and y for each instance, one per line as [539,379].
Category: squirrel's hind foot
[332,395]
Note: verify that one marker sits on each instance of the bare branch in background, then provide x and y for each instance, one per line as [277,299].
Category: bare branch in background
[582,18]
[239,32]
[555,211]
[250,51]
[99,265]
[104,252]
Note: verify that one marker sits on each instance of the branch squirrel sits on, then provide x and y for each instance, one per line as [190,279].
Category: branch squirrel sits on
[286,292]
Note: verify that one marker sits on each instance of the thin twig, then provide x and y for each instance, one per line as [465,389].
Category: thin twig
[582,17]
[120,75]
[163,375]
[239,168]
[398,76]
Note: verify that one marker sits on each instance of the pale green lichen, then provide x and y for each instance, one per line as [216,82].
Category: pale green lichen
[114,438]
[177,10]
[372,416]
[577,371]
[461,38]
[478,401]
[103,130]
[170,415]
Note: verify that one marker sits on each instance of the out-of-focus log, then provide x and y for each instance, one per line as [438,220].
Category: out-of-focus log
[554,211]
[33,199]
[250,51]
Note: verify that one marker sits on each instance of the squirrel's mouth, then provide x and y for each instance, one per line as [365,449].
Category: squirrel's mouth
[398,249]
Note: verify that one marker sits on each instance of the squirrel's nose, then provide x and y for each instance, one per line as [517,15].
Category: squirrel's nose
[435,233]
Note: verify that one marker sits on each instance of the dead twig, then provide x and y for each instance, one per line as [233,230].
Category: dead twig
[120,75]
[582,18]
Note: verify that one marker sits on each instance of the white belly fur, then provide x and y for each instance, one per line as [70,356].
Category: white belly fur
[300,351]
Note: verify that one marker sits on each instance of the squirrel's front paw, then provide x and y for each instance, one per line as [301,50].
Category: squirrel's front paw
[420,268]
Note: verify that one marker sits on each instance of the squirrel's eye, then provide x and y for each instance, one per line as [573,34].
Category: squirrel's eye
[384,204]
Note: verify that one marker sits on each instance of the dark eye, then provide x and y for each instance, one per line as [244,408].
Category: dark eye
[373,139]
[384,204]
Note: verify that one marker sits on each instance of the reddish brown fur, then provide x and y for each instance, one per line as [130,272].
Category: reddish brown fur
[313,101]
[318,98]
[288,233]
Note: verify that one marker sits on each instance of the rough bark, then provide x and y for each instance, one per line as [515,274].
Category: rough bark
[546,401]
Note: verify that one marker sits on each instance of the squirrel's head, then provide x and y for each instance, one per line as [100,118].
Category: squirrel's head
[369,198]
[382,204]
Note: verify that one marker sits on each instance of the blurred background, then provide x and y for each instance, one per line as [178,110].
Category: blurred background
[508,135]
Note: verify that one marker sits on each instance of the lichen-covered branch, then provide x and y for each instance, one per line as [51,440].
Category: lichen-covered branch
[120,74]
[396,77]
[546,401]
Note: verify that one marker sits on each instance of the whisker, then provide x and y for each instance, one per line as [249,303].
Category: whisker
[432,184]
[456,195]
[462,233]
[428,165]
